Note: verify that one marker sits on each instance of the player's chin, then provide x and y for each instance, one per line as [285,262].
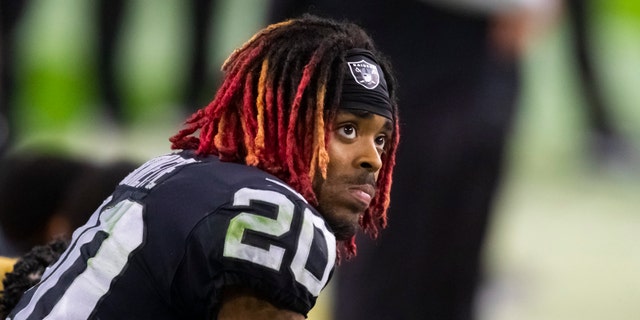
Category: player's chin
[345,232]
[343,218]
[344,229]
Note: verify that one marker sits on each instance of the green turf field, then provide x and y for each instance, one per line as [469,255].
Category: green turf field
[564,241]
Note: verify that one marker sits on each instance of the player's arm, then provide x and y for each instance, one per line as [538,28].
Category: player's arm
[244,304]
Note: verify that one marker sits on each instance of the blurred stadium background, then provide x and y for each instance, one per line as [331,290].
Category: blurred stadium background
[564,239]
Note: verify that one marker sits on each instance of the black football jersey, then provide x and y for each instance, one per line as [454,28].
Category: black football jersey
[174,233]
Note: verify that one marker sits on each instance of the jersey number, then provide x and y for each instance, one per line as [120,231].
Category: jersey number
[273,256]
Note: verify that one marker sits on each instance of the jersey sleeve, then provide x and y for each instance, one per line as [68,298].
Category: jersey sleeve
[174,234]
[265,238]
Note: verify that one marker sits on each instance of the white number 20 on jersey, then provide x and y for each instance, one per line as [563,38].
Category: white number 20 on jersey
[273,256]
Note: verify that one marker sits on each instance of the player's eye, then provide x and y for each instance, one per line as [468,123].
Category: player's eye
[348,131]
[381,141]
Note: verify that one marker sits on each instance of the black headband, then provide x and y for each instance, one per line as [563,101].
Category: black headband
[364,86]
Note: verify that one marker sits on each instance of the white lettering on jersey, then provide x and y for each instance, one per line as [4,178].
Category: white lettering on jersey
[149,173]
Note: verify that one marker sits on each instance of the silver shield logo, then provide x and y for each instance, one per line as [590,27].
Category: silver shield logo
[365,73]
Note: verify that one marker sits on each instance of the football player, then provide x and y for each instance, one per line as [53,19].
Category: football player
[265,191]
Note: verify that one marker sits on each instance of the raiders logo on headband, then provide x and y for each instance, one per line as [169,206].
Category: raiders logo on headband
[365,74]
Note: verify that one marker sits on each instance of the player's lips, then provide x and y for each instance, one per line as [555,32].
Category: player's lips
[363,194]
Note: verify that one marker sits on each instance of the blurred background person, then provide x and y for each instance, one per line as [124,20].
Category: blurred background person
[32,189]
[10,13]
[111,14]
[458,69]
[199,82]
[48,195]
[607,146]
[108,90]
[109,26]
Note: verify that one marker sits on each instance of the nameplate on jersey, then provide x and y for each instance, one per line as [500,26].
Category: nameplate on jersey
[147,175]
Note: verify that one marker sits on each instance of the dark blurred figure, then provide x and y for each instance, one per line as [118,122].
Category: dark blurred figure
[46,196]
[110,14]
[109,21]
[608,145]
[32,189]
[91,188]
[10,13]
[197,89]
[458,78]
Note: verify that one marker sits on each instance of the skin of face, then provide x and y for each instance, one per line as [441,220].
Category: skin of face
[356,144]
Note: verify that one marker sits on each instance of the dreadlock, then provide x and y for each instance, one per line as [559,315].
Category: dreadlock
[273,110]
[27,272]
